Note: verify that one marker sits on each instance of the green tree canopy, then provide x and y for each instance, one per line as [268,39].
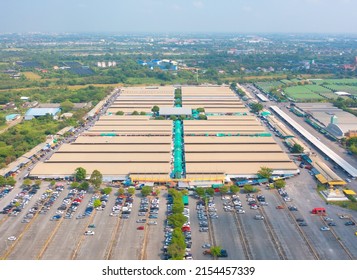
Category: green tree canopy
[209,191]
[107,190]
[279,184]
[121,191]
[265,172]
[96,179]
[119,113]
[216,251]
[200,192]
[177,220]
[84,186]
[2,180]
[175,251]
[80,174]
[27,182]
[75,185]
[155,109]
[97,203]
[66,106]
[249,189]
[131,190]
[297,149]
[146,190]
[10,181]
[224,189]
[234,189]
[256,107]
[135,113]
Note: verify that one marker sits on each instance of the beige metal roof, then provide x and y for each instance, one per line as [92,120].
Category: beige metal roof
[139,128]
[115,148]
[113,157]
[236,157]
[57,169]
[128,110]
[117,123]
[123,118]
[236,168]
[230,118]
[207,105]
[233,123]
[226,110]
[136,105]
[142,140]
[244,148]
[127,133]
[224,140]
[236,129]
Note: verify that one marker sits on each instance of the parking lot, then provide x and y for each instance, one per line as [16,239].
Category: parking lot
[118,237]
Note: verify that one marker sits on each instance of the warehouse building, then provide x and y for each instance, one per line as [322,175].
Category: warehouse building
[41,112]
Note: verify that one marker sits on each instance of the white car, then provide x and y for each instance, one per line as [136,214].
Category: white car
[325,229]
[240,211]
[89,232]
[11,238]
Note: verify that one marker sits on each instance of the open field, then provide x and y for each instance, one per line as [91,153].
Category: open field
[32,76]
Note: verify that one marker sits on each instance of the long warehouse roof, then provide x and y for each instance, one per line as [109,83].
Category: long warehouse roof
[53,169]
[230,118]
[237,168]
[236,129]
[114,157]
[191,123]
[124,118]
[231,140]
[117,148]
[140,128]
[142,140]
[322,147]
[236,157]
[226,110]
[134,123]
[243,148]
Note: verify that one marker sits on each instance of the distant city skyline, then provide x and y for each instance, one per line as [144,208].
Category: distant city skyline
[238,16]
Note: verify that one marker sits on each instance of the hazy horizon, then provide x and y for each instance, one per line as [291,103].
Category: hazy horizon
[184,16]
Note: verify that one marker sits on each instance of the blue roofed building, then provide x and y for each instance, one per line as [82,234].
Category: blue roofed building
[40,112]
[12,117]
[164,64]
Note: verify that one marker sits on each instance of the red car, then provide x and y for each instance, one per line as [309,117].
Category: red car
[280,207]
[140,228]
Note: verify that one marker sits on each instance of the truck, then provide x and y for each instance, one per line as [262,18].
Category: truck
[319,211]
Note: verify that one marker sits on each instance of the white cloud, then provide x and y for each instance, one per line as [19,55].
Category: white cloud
[198,4]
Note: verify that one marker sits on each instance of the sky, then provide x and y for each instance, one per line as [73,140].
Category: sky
[130,16]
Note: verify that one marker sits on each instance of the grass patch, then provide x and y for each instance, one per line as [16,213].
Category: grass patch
[345,204]
[32,76]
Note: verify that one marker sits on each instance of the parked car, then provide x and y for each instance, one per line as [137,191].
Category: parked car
[89,232]
[324,228]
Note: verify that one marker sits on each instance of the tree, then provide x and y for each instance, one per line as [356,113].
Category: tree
[175,251]
[131,191]
[10,181]
[121,191]
[107,190]
[135,113]
[142,113]
[27,182]
[52,183]
[119,113]
[265,172]
[202,117]
[75,185]
[249,189]
[279,184]
[256,107]
[200,192]
[200,110]
[216,251]
[177,220]
[38,182]
[155,109]
[2,180]
[146,190]
[210,191]
[80,174]
[97,203]
[224,189]
[84,186]
[234,189]
[177,207]
[66,106]
[96,179]
[297,149]
[157,191]
[173,118]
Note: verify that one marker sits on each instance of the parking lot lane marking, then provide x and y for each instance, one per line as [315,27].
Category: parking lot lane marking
[81,238]
[9,251]
[274,238]
[114,238]
[344,247]
[300,230]
[143,255]
[243,237]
